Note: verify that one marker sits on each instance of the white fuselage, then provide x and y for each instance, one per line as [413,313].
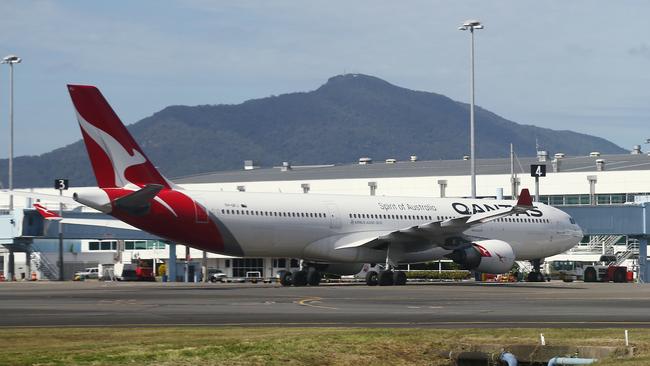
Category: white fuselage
[307,225]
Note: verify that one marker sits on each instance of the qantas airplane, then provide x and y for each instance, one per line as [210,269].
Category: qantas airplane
[330,233]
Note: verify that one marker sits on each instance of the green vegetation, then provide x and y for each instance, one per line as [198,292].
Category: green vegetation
[435,275]
[343,120]
[281,346]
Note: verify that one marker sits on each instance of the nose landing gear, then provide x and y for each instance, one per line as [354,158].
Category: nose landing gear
[536,274]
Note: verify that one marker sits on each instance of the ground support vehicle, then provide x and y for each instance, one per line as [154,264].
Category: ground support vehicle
[569,271]
[139,270]
[216,275]
[605,273]
[87,273]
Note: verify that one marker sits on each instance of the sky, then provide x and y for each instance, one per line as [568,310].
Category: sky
[576,65]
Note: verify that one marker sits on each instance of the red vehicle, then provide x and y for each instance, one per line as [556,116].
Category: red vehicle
[602,273]
[144,270]
[138,270]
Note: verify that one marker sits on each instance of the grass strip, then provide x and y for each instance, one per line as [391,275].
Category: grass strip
[282,346]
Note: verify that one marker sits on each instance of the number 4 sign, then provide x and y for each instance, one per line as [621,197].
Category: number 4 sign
[537,170]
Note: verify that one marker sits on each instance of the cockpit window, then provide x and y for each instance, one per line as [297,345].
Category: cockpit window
[572,220]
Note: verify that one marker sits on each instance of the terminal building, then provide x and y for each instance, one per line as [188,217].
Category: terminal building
[594,180]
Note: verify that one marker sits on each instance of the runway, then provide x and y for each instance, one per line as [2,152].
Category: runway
[443,305]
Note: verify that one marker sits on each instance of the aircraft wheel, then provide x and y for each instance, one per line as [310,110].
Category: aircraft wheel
[285,278]
[620,275]
[372,278]
[399,278]
[386,278]
[313,277]
[300,278]
[590,275]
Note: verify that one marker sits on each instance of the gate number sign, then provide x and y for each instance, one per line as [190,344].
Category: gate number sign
[537,170]
[61,184]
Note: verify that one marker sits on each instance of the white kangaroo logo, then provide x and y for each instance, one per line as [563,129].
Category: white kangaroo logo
[120,158]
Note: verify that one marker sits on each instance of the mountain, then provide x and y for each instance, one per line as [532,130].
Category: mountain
[348,117]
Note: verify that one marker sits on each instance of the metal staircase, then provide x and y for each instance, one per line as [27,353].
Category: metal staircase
[42,264]
[631,251]
[598,244]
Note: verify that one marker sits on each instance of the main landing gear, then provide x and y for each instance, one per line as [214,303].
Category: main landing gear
[306,276]
[386,278]
[536,275]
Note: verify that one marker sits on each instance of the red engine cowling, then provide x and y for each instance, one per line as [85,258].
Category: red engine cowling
[486,256]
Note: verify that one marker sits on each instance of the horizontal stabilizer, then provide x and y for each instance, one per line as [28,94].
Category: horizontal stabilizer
[42,196]
[105,223]
[139,202]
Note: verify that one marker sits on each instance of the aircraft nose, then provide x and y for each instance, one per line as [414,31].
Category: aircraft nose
[579,232]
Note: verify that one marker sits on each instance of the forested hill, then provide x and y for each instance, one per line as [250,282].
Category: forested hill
[348,117]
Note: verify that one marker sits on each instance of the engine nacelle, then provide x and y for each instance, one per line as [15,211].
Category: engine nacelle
[486,256]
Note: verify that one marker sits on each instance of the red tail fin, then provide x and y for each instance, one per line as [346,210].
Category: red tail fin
[525,199]
[47,214]
[116,158]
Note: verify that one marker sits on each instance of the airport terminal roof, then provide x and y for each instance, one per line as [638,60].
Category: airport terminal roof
[380,169]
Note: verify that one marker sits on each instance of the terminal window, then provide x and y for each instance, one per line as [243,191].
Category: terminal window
[102,245]
[243,265]
[280,262]
[135,244]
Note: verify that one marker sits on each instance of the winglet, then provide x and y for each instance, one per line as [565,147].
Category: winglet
[47,214]
[525,200]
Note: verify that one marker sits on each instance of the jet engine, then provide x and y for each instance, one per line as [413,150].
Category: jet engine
[486,256]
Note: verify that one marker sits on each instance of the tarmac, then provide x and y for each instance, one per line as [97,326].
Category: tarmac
[438,305]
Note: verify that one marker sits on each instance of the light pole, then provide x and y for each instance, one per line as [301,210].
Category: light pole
[470,25]
[11,60]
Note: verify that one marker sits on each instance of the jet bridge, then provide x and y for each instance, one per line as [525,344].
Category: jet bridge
[632,220]
[19,228]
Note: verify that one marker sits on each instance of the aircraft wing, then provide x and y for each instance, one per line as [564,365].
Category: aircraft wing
[447,233]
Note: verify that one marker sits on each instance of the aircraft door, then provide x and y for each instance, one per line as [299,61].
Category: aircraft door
[335,219]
